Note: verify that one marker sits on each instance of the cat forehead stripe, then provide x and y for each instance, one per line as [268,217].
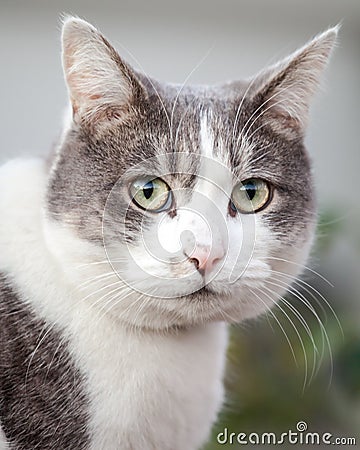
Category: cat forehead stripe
[206,136]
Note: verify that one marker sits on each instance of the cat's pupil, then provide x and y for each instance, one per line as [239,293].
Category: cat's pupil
[250,190]
[148,190]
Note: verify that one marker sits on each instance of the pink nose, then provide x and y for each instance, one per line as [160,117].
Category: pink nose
[205,258]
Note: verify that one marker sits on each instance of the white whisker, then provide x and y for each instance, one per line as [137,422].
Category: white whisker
[279,324]
[306,327]
[324,333]
[296,331]
[152,85]
[182,87]
[96,279]
[303,266]
[241,134]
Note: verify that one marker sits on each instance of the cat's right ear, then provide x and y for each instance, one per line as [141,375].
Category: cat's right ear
[101,85]
[282,93]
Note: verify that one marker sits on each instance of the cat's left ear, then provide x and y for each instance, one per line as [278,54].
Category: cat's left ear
[100,84]
[282,93]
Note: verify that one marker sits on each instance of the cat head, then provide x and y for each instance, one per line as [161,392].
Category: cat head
[174,205]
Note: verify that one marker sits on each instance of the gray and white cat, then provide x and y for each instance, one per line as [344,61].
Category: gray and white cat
[164,214]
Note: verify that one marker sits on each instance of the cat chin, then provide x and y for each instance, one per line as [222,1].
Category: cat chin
[201,307]
[247,299]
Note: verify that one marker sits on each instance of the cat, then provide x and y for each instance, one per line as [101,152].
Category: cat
[161,217]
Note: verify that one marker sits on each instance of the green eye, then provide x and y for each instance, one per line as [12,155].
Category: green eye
[250,196]
[151,194]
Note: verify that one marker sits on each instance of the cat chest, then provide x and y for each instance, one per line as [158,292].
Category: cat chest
[151,392]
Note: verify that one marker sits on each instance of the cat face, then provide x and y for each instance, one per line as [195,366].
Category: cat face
[170,206]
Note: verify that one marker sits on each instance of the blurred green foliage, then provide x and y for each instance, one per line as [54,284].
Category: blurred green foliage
[266,388]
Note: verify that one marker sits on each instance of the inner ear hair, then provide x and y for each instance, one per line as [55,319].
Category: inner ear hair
[101,85]
[283,92]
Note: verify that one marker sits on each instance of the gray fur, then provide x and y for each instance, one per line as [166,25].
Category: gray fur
[158,118]
[42,403]
[42,399]
[91,162]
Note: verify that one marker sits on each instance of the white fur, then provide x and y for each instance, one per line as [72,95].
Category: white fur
[149,387]
[147,390]
[3,441]
[207,138]
[67,123]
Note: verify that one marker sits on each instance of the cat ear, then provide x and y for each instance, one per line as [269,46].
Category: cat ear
[100,84]
[283,92]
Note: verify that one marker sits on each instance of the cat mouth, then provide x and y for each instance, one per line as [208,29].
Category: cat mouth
[205,292]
